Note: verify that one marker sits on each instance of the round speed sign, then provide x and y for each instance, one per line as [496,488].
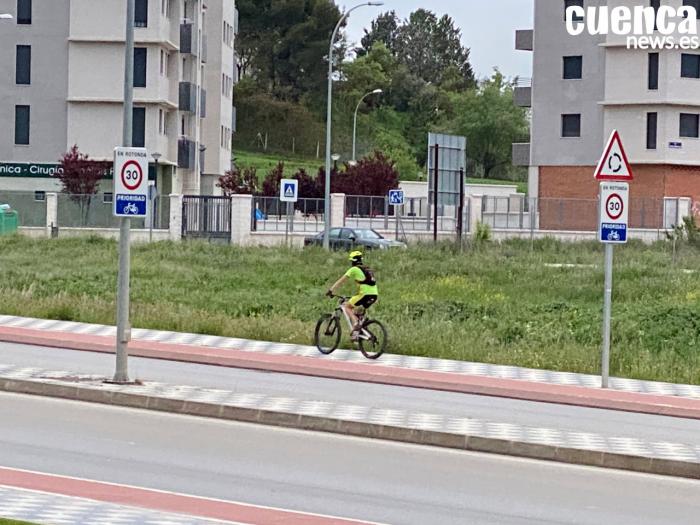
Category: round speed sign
[614,206]
[132,175]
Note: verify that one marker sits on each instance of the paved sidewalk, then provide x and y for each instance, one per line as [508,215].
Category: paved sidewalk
[604,450]
[53,509]
[388,360]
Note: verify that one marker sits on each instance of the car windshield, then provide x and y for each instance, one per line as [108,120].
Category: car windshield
[367,234]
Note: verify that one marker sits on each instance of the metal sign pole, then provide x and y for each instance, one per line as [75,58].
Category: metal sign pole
[121,374]
[435,192]
[286,232]
[607,314]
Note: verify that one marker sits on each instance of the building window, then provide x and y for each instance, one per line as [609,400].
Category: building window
[573,3]
[656,5]
[571,125]
[138,127]
[652,121]
[107,198]
[22,125]
[690,66]
[653,71]
[695,4]
[690,125]
[140,66]
[161,122]
[163,63]
[573,68]
[39,196]
[24,11]
[141,13]
[23,65]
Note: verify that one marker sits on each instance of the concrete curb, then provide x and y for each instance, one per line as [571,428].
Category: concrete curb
[648,465]
[368,373]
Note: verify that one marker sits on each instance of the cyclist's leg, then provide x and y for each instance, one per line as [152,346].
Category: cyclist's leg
[350,308]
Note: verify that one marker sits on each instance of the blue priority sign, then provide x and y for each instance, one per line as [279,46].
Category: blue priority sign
[130,205]
[396,197]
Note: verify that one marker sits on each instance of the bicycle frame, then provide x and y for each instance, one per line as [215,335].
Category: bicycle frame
[363,334]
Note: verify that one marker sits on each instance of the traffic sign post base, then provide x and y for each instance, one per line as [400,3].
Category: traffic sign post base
[121,376]
[607,315]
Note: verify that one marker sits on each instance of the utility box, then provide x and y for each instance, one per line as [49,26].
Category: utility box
[9,221]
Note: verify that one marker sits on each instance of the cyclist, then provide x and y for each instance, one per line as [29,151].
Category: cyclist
[367,294]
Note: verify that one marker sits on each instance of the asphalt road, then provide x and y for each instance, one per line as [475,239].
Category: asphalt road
[611,423]
[329,474]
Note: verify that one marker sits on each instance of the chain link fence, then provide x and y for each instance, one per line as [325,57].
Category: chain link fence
[272,215]
[29,205]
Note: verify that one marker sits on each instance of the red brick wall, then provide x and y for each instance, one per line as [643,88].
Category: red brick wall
[569,193]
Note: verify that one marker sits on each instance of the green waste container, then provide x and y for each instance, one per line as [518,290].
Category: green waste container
[9,221]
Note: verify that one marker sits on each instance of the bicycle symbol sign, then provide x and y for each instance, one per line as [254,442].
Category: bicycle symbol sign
[131,175]
[130,182]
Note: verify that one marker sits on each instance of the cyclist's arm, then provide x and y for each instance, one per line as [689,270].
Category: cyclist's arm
[340,282]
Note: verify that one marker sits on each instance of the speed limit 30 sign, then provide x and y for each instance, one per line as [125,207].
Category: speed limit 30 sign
[130,182]
[614,212]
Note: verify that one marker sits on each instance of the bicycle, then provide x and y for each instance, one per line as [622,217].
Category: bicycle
[372,339]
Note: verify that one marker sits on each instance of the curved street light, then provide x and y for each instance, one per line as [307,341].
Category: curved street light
[327,200]
[354,123]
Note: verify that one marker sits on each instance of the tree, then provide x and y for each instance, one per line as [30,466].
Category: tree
[384,30]
[491,121]
[374,176]
[429,47]
[239,182]
[283,44]
[80,178]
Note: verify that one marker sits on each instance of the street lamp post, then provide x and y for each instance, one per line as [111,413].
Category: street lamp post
[354,123]
[327,229]
[152,198]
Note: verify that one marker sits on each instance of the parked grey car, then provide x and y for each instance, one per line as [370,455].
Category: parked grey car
[349,238]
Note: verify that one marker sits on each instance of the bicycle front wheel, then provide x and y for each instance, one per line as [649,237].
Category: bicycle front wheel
[327,334]
[373,340]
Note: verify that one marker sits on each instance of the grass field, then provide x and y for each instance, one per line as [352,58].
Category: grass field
[495,303]
[4,521]
[265,162]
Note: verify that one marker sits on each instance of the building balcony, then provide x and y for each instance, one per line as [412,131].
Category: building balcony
[521,154]
[524,39]
[188,97]
[522,93]
[188,39]
[186,149]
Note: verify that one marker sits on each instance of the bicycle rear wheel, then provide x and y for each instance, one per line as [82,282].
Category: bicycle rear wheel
[327,334]
[375,345]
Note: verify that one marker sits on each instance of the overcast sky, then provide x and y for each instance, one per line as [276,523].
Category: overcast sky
[488,28]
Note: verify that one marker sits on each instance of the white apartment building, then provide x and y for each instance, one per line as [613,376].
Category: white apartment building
[584,87]
[63,85]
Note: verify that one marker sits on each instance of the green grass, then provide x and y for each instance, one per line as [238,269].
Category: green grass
[265,162]
[4,521]
[494,303]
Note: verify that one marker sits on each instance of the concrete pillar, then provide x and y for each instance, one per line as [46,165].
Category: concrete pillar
[475,206]
[51,212]
[175,217]
[337,210]
[241,217]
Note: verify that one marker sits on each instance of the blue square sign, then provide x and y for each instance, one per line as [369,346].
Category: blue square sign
[613,233]
[130,205]
[396,197]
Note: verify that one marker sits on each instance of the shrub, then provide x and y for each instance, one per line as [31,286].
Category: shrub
[239,182]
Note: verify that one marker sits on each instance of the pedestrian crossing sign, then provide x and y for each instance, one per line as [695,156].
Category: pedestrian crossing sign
[289,190]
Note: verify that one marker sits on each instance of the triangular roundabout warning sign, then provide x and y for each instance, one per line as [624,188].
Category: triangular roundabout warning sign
[614,165]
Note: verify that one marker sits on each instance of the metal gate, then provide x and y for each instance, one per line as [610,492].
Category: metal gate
[206,217]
